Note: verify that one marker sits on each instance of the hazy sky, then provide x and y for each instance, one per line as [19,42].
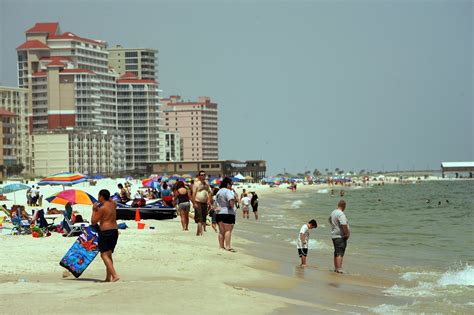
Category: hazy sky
[301,84]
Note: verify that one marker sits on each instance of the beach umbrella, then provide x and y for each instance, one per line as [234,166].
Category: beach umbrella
[150,183]
[215,181]
[12,188]
[65,179]
[73,196]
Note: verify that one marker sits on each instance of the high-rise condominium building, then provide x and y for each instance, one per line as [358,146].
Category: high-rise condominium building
[15,100]
[68,79]
[139,61]
[139,120]
[197,125]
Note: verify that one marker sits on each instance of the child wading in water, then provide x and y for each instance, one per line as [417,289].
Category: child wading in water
[303,240]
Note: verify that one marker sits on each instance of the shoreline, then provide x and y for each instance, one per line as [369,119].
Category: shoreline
[163,264]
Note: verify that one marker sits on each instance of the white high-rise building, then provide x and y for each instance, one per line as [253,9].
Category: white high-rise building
[139,120]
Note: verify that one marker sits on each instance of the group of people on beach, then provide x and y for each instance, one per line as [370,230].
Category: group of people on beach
[34,196]
[340,233]
[220,203]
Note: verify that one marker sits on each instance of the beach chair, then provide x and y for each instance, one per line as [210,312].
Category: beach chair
[73,229]
[20,226]
[42,222]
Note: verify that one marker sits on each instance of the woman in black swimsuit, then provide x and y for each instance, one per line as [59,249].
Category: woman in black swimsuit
[182,196]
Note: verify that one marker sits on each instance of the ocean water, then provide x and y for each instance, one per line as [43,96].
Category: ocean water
[425,248]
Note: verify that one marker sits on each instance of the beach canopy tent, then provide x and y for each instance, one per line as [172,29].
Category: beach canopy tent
[72,196]
[12,188]
[65,179]
[239,176]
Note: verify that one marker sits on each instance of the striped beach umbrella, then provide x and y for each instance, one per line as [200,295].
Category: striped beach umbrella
[73,196]
[215,181]
[65,179]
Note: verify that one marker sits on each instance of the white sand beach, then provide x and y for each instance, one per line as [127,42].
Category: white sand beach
[166,270]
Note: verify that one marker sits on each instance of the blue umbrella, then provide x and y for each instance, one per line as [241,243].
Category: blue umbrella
[12,188]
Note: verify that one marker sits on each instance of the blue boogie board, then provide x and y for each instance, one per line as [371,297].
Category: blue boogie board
[82,252]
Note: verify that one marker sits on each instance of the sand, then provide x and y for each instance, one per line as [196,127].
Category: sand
[165,270]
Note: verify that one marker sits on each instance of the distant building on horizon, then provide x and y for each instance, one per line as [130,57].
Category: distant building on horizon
[253,170]
[142,62]
[197,124]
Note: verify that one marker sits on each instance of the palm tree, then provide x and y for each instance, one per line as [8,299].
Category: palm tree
[316,173]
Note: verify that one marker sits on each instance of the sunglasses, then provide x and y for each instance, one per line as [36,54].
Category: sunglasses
[202,174]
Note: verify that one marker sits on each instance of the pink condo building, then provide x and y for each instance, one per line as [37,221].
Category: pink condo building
[197,125]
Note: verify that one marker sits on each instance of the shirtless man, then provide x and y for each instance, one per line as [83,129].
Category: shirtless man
[103,213]
[202,201]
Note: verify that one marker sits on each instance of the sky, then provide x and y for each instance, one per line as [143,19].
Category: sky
[375,85]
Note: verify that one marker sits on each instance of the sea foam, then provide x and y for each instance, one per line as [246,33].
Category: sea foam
[463,277]
[313,244]
[434,283]
[296,204]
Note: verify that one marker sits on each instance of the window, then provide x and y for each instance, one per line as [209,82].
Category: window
[131,54]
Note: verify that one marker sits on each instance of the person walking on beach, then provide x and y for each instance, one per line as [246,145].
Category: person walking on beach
[202,201]
[212,212]
[225,217]
[340,234]
[104,214]
[303,240]
[254,203]
[182,196]
[245,201]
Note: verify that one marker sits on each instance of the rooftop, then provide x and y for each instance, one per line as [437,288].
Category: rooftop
[49,28]
[32,44]
[457,164]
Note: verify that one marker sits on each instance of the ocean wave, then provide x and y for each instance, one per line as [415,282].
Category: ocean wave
[313,244]
[391,309]
[296,204]
[423,289]
[323,191]
[434,283]
[463,277]
[411,276]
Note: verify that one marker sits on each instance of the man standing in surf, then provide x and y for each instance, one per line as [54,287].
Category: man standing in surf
[340,234]
[105,216]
